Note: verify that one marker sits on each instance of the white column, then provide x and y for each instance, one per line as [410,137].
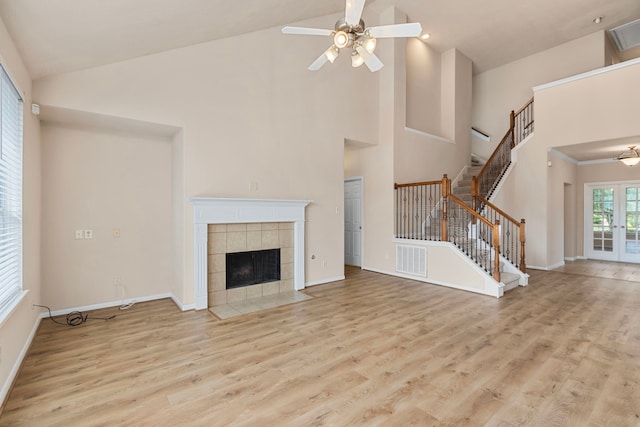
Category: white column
[200,237]
[298,255]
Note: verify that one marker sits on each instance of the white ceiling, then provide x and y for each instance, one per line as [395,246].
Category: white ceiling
[598,150]
[56,36]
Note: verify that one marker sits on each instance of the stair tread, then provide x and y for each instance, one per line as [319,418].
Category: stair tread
[508,277]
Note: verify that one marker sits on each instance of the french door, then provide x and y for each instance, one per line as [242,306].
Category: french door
[612,222]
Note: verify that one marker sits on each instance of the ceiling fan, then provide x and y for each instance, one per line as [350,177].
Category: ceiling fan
[351,32]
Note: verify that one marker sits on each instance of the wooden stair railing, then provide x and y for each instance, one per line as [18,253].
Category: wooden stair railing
[512,233]
[429,211]
[474,235]
[522,122]
[520,126]
[417,210]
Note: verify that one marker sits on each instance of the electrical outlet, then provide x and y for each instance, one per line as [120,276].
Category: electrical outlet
[88,234]
[116,233]
[79,235]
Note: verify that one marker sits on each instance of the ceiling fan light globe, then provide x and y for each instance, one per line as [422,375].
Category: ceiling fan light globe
[370,44]
[341,39]
[332,53]
[631,157]
[356,59]
[630,161]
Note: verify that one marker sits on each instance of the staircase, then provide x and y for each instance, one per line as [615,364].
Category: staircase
[463,188]
[465,217]
[463,191]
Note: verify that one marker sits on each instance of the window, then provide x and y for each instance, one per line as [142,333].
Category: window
[10,194]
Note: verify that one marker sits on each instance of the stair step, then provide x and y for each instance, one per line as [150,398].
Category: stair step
[510,280]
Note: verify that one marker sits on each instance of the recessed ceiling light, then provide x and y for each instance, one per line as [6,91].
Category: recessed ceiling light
[598,19]
[425,36]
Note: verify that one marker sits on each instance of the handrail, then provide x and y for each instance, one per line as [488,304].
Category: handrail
[488,177]
[423,212]
[497,209]
[524,107]
[513,235]
[480,132]
[494,154]
[464,206]
[522,122]
[520,126]
[416,184]
[493,265]
[417,210]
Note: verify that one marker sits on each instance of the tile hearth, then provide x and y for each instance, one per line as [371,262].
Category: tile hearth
[253,305]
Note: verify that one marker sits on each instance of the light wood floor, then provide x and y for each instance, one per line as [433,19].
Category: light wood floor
[371,350]
[605,269]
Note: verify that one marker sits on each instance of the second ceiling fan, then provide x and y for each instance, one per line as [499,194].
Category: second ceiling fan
[350,32]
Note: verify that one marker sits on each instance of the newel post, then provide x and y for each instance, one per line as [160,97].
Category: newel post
[496,248]
[523,266]
[445,206]
[512,126]
[474,194]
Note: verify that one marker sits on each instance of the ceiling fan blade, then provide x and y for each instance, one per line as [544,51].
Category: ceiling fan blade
[396,30]
[370,60]
[353,11]
[306,31]
[318,63]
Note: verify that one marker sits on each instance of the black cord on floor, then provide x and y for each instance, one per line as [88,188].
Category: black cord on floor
[75,318]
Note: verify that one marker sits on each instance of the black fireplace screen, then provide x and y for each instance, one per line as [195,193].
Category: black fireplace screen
[253,267]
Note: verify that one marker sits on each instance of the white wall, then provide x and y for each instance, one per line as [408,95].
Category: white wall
[593,108]
[404,156]
[423,87]
[251,112]
[561,172]
[15,332]
[105,181]
[498,91]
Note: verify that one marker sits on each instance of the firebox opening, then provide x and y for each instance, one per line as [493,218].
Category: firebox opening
[253,267]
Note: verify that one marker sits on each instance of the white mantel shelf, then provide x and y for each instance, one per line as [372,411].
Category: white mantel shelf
[210,210]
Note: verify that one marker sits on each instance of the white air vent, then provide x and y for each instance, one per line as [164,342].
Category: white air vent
[411,260]
[626,36]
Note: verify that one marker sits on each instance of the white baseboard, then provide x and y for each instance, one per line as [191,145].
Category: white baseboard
[436,282]
[181,306]
[118,303]
[547,268]
[324,281]
[18,363]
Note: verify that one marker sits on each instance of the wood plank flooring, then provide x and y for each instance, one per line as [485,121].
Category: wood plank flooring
[371,350]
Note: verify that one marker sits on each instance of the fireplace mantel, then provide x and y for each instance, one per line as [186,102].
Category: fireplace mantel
[209,210]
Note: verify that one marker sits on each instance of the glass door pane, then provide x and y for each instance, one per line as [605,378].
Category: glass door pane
[631,241]
[603,220]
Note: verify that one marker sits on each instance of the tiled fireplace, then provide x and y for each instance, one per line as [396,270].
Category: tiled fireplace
[234,238]
[242,224]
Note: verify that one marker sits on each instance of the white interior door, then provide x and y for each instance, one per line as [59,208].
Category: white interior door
[353,222]
[612,222]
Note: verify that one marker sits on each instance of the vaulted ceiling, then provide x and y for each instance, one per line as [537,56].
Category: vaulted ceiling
[56,36]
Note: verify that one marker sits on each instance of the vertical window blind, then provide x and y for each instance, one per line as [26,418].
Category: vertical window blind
[10,193]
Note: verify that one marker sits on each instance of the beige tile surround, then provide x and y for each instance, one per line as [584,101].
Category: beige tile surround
[228,238]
